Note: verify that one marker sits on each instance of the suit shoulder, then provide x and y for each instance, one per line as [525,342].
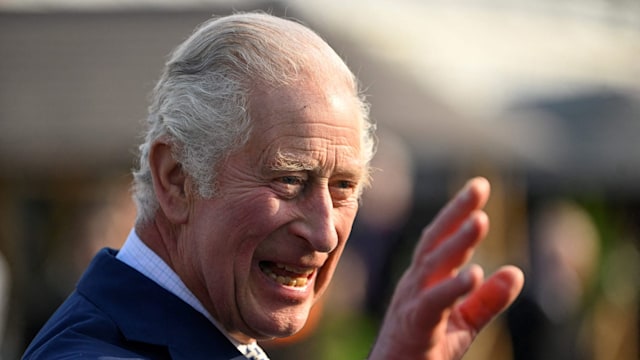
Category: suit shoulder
[80,330]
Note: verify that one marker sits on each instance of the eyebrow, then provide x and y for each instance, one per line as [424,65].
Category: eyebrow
[289,162]
[286,162]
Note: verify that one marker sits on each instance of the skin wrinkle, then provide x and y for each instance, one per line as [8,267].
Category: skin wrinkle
[287,162]
[309,230]
[239,59]
[314,161]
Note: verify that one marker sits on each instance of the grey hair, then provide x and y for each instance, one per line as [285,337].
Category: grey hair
[201,103]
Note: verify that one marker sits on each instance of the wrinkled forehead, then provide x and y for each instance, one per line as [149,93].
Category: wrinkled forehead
[310,122]
[307,108]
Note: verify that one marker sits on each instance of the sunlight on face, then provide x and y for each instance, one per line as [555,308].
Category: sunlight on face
[265,249]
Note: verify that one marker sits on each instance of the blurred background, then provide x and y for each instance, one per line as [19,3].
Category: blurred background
[542,97]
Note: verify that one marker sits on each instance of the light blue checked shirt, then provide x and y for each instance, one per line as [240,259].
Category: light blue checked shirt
[139,256]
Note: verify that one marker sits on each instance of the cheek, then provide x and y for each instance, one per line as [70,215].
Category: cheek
[344,219]
[343,222]
[257,217]
[246,223]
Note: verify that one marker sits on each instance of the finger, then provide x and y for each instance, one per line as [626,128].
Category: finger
[446,259]
[437,300]
[473,196]
[492,297]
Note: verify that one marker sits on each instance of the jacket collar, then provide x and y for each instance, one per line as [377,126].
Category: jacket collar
[146,312]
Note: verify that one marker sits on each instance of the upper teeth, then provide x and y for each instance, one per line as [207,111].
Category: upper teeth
[298,281]
[301,271]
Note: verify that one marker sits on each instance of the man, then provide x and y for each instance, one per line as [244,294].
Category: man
[256,155]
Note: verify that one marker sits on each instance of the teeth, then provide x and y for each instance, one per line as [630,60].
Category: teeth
[286,280]
[305,272]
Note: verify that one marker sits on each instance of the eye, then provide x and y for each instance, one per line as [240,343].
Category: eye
[292,180]
[343,189]
[344,184]
[289,186]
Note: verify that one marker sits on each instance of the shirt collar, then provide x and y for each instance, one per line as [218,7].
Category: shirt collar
[139,256]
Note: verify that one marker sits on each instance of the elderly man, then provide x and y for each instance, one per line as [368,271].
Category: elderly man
[249,180]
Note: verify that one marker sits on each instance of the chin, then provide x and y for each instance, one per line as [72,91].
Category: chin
[280,326]
[276,333]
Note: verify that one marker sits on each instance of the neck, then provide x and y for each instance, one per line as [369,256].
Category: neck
[160,236]
[163,238]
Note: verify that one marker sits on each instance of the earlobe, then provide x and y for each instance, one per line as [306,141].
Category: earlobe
[169,182]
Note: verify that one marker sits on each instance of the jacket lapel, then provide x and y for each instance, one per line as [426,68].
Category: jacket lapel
[145,312]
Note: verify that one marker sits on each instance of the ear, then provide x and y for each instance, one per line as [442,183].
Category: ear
[169,182]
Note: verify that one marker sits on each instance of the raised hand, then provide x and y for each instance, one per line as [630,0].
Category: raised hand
[437,309]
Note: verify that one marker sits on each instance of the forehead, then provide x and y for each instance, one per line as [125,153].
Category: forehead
[312,122]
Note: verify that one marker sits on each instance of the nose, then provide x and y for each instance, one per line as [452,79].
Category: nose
[317,225]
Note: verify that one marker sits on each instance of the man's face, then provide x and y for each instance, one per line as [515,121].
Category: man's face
[261,251]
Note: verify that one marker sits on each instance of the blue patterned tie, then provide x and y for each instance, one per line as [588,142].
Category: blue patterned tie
[253,352]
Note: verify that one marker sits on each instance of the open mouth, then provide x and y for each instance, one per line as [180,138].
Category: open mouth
[287,275]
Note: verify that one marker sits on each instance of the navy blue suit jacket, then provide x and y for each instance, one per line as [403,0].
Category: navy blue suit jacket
[118,313]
